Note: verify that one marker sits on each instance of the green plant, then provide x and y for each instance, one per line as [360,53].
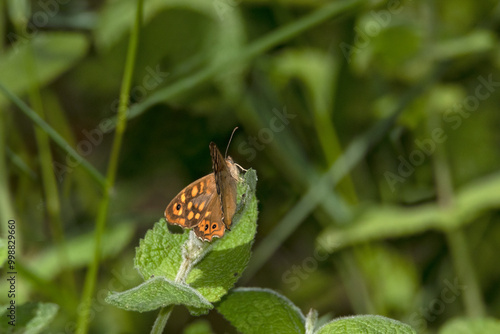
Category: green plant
[380,192]
[179,269]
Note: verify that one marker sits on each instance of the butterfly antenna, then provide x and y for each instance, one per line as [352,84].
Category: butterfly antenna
[225,155]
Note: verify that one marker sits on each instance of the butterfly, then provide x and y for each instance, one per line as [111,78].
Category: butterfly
[208,204]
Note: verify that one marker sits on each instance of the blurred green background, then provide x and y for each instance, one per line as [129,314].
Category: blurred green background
[373,127]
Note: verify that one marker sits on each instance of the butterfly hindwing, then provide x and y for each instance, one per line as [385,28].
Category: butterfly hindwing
[211,224]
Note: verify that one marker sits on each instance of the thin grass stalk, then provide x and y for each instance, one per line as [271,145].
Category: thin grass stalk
[91,277]
[56,137]
[456,240]
[49,184]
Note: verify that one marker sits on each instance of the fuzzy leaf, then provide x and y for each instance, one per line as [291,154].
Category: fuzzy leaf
[155,293]
[31,318]
[369,324]
[255,310]
[160,253]
[471,326]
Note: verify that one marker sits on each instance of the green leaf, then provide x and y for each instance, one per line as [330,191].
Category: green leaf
[396,294]
[54,54]
[31,318]
[114,22]
[394,221]
[369,324]
[160,252]
[158,292]
[199,327]
[18,11]
[222,267]
[255,310]
[471,326]
[46,265]
[476,41]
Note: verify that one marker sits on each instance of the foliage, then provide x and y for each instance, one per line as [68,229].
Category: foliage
[211,273]
[373,126]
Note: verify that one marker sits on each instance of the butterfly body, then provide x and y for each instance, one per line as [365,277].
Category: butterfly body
[208,204]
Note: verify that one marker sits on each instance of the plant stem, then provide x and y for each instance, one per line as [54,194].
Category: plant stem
[457,243]
[90,280]
[311,319]
[161,319]
[49,184]
[473,300]
[192,252]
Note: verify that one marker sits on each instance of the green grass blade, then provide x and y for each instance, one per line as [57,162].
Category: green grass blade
[56,137]
[91,277]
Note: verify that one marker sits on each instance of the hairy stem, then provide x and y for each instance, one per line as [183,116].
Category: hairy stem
[193,251]
[161,319]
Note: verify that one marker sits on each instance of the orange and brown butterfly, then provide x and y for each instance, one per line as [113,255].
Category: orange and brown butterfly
[208,205]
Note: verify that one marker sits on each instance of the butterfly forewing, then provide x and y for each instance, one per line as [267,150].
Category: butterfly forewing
[189,207]
[225,184]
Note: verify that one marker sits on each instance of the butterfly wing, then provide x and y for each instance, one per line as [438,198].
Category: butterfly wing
[225,173]
[211,224]
[190,206]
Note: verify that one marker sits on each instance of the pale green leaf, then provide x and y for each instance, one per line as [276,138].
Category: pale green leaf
[115,18]
[476,41]
[54,53]
[155,293]
[31,318]
[394,221]
[368,324]
[471,326]
[199,327]
[47,264]
[18,11]
[255,310]
[160,252]
[396,293]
